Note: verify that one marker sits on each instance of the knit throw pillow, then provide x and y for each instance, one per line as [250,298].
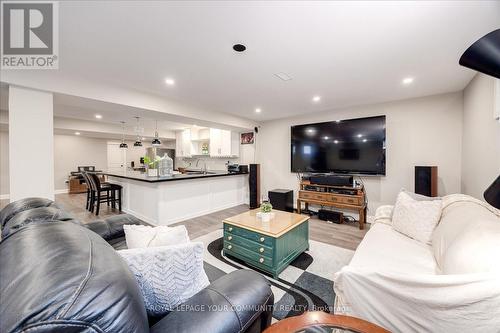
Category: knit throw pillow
[167,275]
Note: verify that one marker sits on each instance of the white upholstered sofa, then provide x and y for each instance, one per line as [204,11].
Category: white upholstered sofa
[452,285]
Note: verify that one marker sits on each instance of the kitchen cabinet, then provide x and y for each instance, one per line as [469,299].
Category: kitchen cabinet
[221,144]
[183,143]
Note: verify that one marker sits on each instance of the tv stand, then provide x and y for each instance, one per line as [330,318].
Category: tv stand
[341,197]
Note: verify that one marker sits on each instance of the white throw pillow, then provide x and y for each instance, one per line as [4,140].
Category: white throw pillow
[416,219]
[167,275]
[475,250]
[140,236]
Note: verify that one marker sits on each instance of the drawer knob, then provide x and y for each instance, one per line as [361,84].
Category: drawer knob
[229,247]
[230,229]
[261,250]
[261,260]
[230,237]
[262,239]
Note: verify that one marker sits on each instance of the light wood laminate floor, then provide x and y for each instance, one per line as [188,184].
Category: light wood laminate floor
[343,235]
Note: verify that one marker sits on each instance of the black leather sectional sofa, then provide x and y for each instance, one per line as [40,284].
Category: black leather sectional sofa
[57,275]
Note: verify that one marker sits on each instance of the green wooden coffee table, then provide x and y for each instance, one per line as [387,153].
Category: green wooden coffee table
[269,246]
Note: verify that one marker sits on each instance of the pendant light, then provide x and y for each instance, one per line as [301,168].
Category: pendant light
[156,141]
[138,142]
[482,56]
[123,145]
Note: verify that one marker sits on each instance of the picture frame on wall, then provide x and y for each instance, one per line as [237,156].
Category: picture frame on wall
[247,138]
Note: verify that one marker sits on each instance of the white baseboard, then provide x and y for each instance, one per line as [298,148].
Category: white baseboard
[4,196]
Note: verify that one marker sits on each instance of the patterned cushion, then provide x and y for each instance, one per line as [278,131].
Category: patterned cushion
[416,219]
[167,275]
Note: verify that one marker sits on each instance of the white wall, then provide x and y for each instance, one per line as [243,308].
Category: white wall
[481,137]
[70,151]
[422,131]
[4,163]
[31,143]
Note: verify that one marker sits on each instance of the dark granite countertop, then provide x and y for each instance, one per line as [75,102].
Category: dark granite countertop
[143,177]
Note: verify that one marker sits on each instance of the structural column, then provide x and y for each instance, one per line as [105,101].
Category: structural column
[31,143]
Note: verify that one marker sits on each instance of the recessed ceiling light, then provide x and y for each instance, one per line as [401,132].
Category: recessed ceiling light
[258,110]
[326,138]
[310,130]
[77,133]
[239,47]
[360,135]
[98,116]
[170,81]
[316,99]
[335,141]
[337,121]
[408,80]
[364,140]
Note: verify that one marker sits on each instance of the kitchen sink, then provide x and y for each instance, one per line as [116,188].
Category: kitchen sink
[199,173]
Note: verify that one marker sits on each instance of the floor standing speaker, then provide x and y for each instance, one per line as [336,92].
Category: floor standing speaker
[426,178]
[254,185]
[281,199]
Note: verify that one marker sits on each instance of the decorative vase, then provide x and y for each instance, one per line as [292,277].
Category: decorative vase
[266,217]
[152,172]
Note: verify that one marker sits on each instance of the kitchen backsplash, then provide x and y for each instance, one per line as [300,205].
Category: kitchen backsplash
[211,162]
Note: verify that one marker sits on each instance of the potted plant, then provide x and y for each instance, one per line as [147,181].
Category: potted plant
[265,211]
[152,165]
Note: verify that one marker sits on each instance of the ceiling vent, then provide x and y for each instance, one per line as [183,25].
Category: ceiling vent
[283,76]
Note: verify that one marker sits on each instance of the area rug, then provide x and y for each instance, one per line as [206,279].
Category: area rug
[305,285]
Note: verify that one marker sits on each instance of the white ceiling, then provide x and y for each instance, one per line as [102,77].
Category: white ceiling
[350,53]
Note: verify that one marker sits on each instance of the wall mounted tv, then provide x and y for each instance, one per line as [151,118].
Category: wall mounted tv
[353,146]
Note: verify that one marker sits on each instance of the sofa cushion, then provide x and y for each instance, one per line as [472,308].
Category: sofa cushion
[139,236]
[475,250]
[63,274]
[386,250]
[416,218]
[112,227]
[454,219]
[167,275]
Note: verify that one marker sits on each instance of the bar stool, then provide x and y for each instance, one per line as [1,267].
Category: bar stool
[97,188]
[89,190]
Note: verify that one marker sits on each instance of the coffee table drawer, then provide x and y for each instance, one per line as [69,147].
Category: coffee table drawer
[248,234]
[258,248]
[250,256]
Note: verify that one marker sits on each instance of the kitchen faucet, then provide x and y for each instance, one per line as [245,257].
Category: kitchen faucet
[204,169]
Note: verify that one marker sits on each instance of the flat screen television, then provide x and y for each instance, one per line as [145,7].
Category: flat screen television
[353,146]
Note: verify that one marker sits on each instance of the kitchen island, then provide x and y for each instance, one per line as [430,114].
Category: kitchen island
[170,199]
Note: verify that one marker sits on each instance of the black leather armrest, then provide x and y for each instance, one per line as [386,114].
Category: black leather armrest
[19,206]
[233,303]
[34,216]
[112,227]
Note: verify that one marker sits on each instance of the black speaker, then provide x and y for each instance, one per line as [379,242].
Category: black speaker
[331,216]
[281,199]
[254,185]
[426,180]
